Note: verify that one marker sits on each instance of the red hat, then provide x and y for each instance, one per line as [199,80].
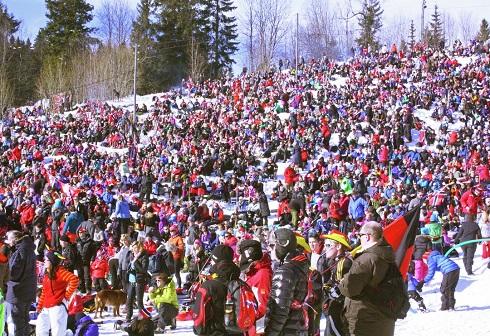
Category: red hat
[174,228]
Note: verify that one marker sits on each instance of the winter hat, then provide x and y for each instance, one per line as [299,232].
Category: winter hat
[197,242]
[174,228]
[145,313]
[65,238]
[285,242]
[222,253]
[250,250]
[433,218]
[424,231]
[53,258]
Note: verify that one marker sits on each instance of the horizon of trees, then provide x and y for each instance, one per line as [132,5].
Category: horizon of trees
[196,39]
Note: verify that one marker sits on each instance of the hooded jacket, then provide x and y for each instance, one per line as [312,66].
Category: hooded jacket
[259,274]
[285,315]
[368,269]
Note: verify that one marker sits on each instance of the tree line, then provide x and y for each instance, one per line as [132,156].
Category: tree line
[197,39]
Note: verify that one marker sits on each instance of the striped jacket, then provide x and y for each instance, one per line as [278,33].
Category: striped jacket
[62,286]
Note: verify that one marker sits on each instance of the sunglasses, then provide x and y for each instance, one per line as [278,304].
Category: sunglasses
[329,246]
[359,235]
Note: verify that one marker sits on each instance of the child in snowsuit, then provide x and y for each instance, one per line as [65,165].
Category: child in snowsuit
[164,298]
[450,278]
[412,288]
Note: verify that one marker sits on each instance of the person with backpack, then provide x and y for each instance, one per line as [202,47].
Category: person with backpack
[257,267]
[161,262]
[333,264]
[209,306]
[369,268]
[285,313]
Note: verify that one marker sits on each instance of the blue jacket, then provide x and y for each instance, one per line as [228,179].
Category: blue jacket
[72,223]
[92,329]
[357,207]
[122,209]
[438,262]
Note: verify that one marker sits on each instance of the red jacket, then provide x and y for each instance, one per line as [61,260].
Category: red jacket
[259,279]
[470,202]
[335,210]
[289,175]
[99,268]
[62,286]
[26,214]
[150,247]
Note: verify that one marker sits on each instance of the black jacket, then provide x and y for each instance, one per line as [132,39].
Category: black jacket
[86,249]
[216,290]
[140,267]
[468,231]
[72,260]
[289,286]
[23,279]
[421,245]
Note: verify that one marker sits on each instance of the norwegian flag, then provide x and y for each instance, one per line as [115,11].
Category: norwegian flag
[437,197]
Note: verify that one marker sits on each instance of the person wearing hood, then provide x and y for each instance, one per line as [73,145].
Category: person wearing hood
[435,232]
[58,286]
[369,268]
[450,277]
[289,288]
[257,268]
[21,288]
[223,270]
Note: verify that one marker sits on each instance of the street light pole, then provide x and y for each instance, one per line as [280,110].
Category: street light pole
[134,84]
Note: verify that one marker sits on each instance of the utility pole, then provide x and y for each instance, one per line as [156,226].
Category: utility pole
[424,6]
[297,28]
[134,84]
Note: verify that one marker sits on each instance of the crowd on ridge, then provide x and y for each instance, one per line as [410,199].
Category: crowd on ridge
[364,140]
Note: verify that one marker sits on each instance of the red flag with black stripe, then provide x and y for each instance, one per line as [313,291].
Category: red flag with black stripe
[401,236]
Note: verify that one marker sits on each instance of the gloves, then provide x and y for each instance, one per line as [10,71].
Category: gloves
[420,285]
[334,293]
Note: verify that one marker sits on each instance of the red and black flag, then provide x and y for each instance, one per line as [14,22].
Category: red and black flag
[401,236]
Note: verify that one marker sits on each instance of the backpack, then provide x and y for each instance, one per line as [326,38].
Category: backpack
[159,263]
[244,312]
[246,307]
[390,296]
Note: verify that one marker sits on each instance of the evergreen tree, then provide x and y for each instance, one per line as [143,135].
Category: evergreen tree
[223,37]
[142,35]
[370,24]
[411,36]
[436,38]
[484,32]
[67,29]
[8,27]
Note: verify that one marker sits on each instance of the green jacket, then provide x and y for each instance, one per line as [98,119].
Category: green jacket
[435,232]
[166,294]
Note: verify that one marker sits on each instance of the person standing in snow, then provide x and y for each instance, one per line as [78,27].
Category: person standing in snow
[450,278]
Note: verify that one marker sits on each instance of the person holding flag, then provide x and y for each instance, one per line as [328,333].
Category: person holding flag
[370,266]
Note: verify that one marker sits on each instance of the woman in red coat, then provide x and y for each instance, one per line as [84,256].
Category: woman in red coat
[290,176]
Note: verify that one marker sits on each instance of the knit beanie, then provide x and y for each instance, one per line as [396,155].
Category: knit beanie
[222,253]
